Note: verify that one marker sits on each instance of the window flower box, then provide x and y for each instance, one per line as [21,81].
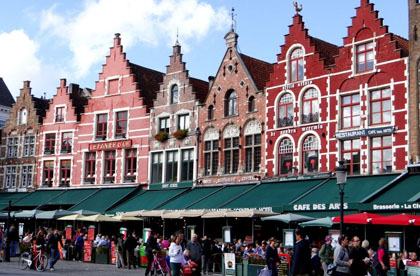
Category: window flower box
[162,136]
[180,134]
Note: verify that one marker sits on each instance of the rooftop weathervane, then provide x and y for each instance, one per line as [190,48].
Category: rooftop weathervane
[233,17]
[297,7]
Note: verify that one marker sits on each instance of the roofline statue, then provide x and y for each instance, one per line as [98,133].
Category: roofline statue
[297,8]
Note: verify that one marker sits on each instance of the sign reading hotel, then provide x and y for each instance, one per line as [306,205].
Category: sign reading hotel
[111,145]
[365,132]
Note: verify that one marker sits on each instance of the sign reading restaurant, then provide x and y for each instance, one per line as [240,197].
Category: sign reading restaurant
[111,145]
[365,132]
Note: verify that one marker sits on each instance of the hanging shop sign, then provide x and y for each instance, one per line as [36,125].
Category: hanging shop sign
[111,145]
[364,132]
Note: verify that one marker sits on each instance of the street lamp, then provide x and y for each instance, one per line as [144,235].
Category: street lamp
[197,135]
[341,174]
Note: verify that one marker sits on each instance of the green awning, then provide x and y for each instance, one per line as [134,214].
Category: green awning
[356,189]
[219,198]
[5,197]
[183,201]
[323,214]
[37,198]
[103,199]
[71,197]
[407,190]
[273,194]
[148,200]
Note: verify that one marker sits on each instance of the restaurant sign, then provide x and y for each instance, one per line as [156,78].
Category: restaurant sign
[111,145]
[396,206]
[365,132]
[319,207]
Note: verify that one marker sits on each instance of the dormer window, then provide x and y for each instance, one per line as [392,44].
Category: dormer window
[174,94]
[23,116]
[231,103]
[59,114]
[365,57]
[296,65]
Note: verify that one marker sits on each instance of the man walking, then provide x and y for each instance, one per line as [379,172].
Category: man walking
[206,253]
[151,247]
[195,252]
[53,241]
[301,263]
[360,258]
[272,257]
[130,244]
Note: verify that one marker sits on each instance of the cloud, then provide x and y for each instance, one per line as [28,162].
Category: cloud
[19,61]
[89,33]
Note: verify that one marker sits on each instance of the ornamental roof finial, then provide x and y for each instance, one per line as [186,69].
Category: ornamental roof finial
[297,7]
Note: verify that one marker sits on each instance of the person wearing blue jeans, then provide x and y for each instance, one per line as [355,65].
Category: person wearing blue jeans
[53,239]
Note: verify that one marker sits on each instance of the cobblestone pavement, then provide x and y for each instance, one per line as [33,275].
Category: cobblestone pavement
[71,268]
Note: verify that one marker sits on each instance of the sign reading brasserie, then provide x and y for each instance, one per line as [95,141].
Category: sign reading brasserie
[111,145]
[365,132]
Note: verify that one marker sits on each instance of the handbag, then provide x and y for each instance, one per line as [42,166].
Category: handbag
[264,272]
[332,268]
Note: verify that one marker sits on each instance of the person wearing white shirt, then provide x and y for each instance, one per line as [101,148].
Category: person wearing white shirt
[176,257]
[102,242]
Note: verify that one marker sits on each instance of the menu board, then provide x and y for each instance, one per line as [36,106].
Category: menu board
[87,248]
[230,265]
[113,253]
[413,268]
[284,264]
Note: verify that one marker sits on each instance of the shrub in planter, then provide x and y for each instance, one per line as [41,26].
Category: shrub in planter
[180,134]
[162,136]
[102,256]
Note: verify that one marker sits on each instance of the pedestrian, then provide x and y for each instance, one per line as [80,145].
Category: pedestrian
[120,251]
[13,238]
[301,263]
[53,240]
[78,244]
[195,251]
[271,257]
[40,240]
[176,256]
[341,256]
[315,262]
[129,244]
[1,238]
[326,254]
[381,258]
[360,258]
[206,254]
[151,248]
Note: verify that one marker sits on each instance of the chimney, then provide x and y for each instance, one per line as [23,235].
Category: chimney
[211,81]
[231,39]
[117,40]
[26,84]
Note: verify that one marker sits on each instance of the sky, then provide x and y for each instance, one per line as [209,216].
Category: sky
[44,41]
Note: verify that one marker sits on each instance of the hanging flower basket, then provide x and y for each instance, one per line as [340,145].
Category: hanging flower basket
[162,136]
[180,134]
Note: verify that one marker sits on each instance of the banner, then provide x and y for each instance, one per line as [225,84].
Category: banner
[113,253]
[87,249]
[230,267]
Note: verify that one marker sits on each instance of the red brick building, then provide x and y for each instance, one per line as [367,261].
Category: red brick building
[174,119]
[232,119]
[327,103]
[20,140]
[59,135]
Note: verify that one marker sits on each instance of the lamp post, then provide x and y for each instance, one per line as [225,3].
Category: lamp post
[341,174]
[197,135]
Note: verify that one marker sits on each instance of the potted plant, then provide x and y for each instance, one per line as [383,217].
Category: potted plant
[162,136]
[102,256]
[180,134]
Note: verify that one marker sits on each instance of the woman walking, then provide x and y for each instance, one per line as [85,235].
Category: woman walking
[176,256]
[326,254]
[341,257]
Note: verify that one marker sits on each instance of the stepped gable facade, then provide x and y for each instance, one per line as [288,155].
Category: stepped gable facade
[58,141]
[20,140]
[327,103]
[173,124]
[113,134]
[232,120]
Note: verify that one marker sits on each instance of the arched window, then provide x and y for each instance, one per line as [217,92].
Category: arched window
[231,103]
[296,65]
[231,149]
[174,94]
[310,154]
[285,111]
[23,116]
[285,160]
[210,113]
[251,104]
[310,106]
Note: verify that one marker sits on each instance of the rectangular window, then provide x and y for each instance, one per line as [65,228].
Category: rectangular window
[157,167]
[381,151]
[101,126]
[171,166]
[164,124]
[90,167]
[183,121]
[49,145]
[253,153]
[26,174]
[10,177]
[211,157]
[109,170]
[66,142]
[365,57]
[121,124]
[350,111]
[29,146]
[65,172]
[380,106]
[130,165]
[12,147]
[59,114]
[350,152]
[187,165]
[48,173]
[231,152]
